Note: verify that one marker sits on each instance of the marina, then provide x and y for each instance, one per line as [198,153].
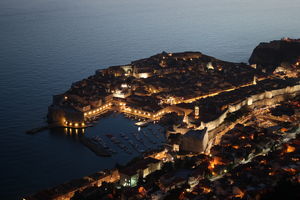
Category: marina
[127,142]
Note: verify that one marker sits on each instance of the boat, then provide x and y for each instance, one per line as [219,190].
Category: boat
[111,150]
[109,135]
[115,140]
[129,152]
[134,146]
[142,123]
[124,136]
[141,150]
[103,144]
[149,139]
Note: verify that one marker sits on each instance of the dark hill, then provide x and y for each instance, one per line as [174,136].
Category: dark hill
[272,54]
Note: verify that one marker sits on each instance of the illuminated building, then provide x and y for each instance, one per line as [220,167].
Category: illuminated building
[142,168]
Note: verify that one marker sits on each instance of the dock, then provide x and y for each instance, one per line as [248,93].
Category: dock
[96,148]
[36,130]
[42,128]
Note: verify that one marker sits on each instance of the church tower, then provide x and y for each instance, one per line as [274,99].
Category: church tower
[254,80]
[197,110]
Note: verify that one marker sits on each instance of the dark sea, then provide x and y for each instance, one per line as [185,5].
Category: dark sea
[45,45]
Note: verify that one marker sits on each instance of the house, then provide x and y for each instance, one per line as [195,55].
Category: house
[173,183]
[193,141]
[122,93]
[140,169]
[173,180]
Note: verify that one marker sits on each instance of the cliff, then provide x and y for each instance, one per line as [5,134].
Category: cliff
[272,54]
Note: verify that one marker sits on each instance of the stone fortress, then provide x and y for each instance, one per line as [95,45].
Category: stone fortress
[200,89]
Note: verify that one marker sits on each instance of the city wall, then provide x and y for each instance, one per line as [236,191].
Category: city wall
[71,118]
[265,98]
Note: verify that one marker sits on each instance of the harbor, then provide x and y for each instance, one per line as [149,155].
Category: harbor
[129,141]
[140,140]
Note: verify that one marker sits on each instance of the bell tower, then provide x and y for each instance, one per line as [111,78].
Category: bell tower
[196,112]
[254,80]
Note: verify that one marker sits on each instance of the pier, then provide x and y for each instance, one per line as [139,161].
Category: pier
[96,148]
[42,128]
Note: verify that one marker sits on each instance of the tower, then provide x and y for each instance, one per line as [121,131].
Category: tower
[186,119]
[210,66]
[196,112]
[254,80]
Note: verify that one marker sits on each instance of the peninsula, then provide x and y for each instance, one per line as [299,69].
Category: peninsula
[225,124]
[187,83]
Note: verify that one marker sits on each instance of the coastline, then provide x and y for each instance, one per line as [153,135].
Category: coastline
[258,90]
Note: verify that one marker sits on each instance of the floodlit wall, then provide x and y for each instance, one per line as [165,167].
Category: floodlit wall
[267,98]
